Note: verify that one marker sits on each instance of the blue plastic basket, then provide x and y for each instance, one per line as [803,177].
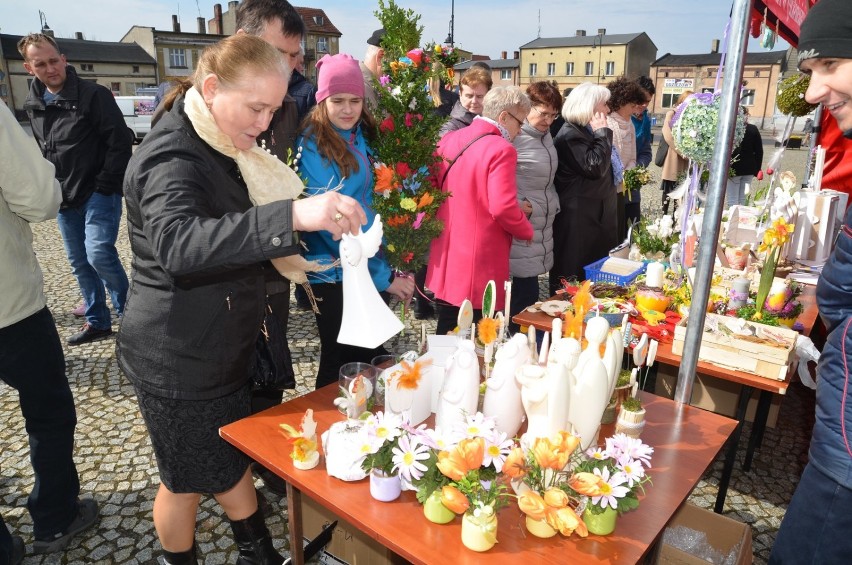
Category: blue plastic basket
[594,273]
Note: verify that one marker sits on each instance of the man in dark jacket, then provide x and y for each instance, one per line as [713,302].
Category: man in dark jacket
[80,129]
[746,159]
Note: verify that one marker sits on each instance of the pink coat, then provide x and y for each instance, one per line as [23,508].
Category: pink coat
[480,218]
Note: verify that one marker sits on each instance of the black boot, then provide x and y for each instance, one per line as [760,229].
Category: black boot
[179,558]
[254,541]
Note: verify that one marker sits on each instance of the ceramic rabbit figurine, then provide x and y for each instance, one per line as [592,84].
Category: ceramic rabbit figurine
[460,392]
[503,393]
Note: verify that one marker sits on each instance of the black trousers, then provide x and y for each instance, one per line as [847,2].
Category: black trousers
[32,362]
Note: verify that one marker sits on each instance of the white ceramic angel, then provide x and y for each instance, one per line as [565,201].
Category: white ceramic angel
[502,392]
[590,394]
[613,357]
[560,371]
[460,392]
[367,320]
[535,385]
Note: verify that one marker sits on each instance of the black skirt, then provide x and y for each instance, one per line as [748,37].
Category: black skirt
[191,457]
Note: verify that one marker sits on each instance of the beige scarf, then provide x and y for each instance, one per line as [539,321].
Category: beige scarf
[267,178]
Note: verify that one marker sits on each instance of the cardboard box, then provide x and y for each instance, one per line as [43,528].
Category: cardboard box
[715,395]
[724,536]
[348,545]
[765,351]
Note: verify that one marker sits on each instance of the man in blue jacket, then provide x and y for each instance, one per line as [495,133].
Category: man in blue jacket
[81,130]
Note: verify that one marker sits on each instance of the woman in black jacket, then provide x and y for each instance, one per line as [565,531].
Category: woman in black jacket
[585,229]
[746,161]
[196,304]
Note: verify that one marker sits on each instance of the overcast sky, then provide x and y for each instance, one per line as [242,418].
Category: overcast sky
[485,27]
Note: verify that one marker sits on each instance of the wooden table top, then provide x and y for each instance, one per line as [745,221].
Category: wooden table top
[665,355]
[685,442]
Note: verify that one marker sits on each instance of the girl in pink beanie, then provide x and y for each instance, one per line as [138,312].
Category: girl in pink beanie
[339,74]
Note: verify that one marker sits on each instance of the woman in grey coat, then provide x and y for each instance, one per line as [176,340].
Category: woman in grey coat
[537,162]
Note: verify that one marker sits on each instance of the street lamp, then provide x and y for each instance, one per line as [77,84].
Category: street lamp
[600,53]
[451,37]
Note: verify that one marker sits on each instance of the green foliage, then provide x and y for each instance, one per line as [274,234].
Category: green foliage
[791,96]
[631,404]
[402,31]
[433,479]
[697,125]
[382,459]
[623,378]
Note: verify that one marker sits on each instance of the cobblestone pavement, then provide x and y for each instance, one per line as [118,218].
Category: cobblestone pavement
[117,467]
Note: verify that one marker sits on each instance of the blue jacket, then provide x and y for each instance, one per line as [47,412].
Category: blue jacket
[322,175]
[644,138]
[828,450]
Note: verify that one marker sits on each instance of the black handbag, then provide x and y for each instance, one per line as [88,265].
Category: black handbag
[662,151]
[273,364]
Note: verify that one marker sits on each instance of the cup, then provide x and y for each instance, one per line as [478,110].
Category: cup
[357,382]
[382,363]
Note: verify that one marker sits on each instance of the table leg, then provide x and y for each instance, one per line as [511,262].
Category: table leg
[759,426]
[294,523]
[731,455]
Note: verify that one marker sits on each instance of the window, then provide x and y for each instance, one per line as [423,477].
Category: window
[177,58]
[757,73]
[87,67]
[610,68]
[115,87]
[748,97]
[590,68]
[319,20]
[135,68]
[551,69]
[506,74]
[666,74]
[569,69]
[533,69]
[670,100]
[322,45]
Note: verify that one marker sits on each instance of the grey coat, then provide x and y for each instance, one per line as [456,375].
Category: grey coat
[537,163]
[459,118]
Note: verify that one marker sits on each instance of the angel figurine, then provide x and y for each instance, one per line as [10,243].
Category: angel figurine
[305,455]
[367,320]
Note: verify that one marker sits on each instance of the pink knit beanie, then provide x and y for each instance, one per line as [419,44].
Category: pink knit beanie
[338,74]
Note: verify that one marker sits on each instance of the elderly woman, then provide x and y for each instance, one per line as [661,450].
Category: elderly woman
[585,229]
[625,97]
[536,168]
[196,305]
[482,216]
[473,86]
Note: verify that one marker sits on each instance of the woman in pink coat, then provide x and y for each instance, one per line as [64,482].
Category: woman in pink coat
[482,215]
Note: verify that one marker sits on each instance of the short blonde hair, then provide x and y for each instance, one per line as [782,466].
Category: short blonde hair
[579,107]
[505,98]
[36,39]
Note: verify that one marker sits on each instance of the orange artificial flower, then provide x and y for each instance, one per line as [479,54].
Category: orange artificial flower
[452,498]
[567,522]
[425,200]
[556,497]
[472,451]
[515,465]
[554,452]
[395,221]
[488,330]
[410,375]
[588,484]
[532,504]
[568,442]
[451,464]
[583,300]
[384,179]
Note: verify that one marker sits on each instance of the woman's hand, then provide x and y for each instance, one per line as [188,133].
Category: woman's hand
[332,212]
[598,121]
[402,288]
[526,208]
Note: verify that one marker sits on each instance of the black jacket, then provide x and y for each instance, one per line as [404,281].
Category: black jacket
[459,118]
[303,92]
[200,253]
[748,156]
[585,162]
[82,132]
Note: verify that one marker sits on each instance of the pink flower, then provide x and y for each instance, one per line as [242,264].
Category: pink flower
[416,56]
[419,220]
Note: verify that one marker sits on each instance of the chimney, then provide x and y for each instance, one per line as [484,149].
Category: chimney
[217,18]
[79,35]
[175,23]
[601,31]
[502,54]
[47,31]
[581,33]
[232,5]
[202,28]
[516,54]
[714,46]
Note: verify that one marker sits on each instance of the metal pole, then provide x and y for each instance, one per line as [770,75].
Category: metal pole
[740,18]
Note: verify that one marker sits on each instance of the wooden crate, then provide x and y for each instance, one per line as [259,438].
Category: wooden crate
[765,351]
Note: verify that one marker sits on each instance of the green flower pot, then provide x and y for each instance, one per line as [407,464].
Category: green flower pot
[601,524]
[435,511]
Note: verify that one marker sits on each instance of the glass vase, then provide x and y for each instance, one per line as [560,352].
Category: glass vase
[383,487]
[435,511]
[479,529]
[601,524]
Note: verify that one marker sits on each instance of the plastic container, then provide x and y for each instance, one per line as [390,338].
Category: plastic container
[595,274]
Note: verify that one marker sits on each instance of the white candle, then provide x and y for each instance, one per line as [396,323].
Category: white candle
[507,285]
[739,295]
[654,274]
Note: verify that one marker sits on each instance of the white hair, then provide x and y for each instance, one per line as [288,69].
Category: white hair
[579,107]
[504,98]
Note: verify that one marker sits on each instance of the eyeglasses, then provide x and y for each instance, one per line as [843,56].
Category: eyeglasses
[520,122]
[546,115]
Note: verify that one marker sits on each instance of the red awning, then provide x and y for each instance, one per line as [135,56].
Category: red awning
[783,16]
